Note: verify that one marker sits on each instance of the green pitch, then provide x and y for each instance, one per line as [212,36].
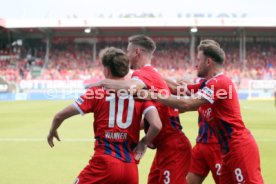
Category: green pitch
[26,158]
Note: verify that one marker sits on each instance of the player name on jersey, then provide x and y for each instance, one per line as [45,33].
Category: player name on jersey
[119,136]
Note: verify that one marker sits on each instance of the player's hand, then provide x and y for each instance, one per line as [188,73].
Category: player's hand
[182,82]
[139,150]
[51,136]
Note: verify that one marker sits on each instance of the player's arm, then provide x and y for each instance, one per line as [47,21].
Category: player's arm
[155,127]
[183,104]
[57,121]
[179,87]
[119,84]
[172,84]
[142,124]
[95,84]
[122,84]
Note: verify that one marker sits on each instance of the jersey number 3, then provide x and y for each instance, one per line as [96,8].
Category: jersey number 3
[119,115]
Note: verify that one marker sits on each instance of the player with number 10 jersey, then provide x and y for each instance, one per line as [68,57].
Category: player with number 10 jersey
[116,121]
[116,129]
[117,118]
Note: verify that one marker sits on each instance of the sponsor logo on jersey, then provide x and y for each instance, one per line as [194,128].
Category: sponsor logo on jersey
[209,92]
[79,101]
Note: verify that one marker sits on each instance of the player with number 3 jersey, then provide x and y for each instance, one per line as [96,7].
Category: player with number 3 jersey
[173,156]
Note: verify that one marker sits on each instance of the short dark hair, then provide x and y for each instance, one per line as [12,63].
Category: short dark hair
[209,41]
[213,50]
[116,60]
[143,41]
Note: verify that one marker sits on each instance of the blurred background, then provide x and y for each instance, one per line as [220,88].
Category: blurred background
[53,46]
[49,51]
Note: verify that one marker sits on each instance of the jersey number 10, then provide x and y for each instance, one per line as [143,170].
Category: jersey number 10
[119,115]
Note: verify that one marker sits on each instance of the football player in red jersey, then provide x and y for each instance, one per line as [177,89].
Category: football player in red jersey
[240,154]
[173,155]
[206,154]
[117,118]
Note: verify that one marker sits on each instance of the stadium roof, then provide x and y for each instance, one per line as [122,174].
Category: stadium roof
[112,27]
[83,9]
[32,18]
[139,22]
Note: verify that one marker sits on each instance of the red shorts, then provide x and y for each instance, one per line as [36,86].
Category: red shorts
[171,162]
[205,158]
[104,169]
[242,164]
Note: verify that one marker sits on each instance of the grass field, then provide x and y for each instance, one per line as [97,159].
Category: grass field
[26,158]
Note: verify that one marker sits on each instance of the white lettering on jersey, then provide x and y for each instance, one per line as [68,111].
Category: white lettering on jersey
[116,135]
[208,113]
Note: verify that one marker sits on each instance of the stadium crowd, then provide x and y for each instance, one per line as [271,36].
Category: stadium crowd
[69,61]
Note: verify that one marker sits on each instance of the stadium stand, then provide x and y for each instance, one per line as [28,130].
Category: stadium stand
[71,61]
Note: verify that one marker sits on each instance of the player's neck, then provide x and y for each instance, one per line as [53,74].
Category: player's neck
[214,72]
[116,78]
[144,62]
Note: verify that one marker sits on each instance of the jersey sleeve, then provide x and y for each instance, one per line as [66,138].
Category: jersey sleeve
[86,102]
[138,77]
[147,106]
[214,90]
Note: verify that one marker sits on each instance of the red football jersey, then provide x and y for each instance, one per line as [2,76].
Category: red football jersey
[169,116]
[206,133]
[116,121]
[227,121]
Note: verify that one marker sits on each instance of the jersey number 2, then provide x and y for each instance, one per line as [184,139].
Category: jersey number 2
[119,115]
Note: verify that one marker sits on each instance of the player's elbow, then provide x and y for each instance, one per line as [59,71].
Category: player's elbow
[183,107]
[59,117]
[157,125]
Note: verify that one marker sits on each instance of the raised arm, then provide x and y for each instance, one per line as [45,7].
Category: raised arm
[57,121]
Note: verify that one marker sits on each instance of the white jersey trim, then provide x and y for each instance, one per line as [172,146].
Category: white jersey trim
[147,109]
[147,65]
[78,108]
[136,78]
